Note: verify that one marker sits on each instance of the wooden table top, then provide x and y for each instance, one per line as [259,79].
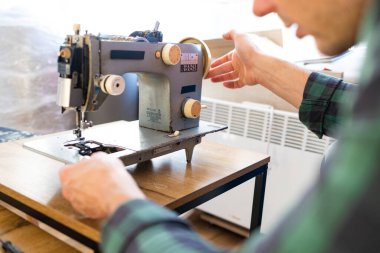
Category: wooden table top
[32,179]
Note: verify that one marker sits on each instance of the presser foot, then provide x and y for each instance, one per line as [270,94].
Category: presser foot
[87,148]
[78,133]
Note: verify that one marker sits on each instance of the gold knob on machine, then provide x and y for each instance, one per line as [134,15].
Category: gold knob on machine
[171,54]
[191,108]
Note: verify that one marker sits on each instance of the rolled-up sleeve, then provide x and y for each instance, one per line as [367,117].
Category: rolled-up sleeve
[143,226]
[323,109]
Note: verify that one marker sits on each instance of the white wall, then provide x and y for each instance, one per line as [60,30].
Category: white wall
[179,19]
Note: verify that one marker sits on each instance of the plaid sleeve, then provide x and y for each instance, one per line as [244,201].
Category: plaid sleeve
[142,226]
[322,107]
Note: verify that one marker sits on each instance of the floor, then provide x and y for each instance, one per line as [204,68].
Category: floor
[216,235]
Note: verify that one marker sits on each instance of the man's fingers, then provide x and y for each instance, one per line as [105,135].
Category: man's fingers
[231,76]
[221,70]
[233,84]
[221,60]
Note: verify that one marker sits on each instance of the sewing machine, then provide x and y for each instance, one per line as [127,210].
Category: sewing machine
[169,82]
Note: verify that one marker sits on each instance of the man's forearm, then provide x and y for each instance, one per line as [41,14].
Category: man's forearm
[284,79]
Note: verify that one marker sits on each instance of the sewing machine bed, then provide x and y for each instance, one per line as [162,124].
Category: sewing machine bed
[139,143]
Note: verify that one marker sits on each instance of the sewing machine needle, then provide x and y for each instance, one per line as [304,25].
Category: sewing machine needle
[78,121]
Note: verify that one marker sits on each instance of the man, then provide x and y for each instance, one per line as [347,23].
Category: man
[340,214]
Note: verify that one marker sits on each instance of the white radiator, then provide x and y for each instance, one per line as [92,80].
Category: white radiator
[295,158]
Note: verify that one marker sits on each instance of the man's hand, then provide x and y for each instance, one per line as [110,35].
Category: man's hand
[238,67]
[249,65]
[96,187]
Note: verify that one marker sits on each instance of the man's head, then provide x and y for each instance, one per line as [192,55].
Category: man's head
[333,24]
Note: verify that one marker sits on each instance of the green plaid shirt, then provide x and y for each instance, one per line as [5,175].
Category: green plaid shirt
[341,213]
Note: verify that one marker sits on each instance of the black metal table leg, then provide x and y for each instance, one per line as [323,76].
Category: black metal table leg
[258,200]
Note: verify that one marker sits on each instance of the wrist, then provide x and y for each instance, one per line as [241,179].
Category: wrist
[283,78]
[119,199]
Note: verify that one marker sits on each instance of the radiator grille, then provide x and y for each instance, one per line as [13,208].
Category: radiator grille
[261,122]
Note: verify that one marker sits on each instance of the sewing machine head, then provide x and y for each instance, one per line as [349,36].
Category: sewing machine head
[169,76]
[169,80]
